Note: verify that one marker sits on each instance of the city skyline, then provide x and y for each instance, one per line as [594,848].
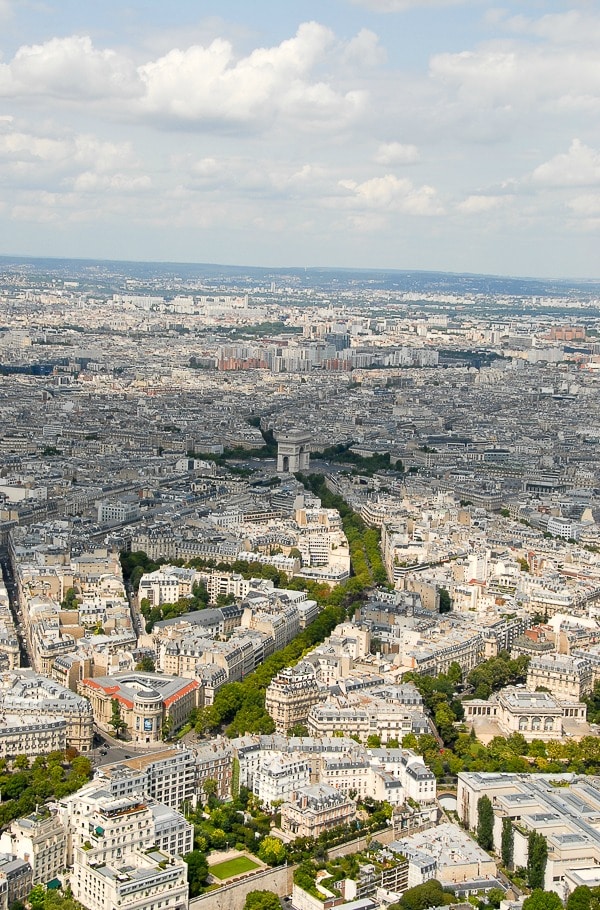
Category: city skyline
[385,134]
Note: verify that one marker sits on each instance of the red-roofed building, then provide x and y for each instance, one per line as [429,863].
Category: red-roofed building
[149,702]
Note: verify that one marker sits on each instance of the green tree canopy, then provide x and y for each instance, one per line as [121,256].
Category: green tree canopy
[542,900]
[537,856]
[197,871]
[262,900]
[272,851]
[429,894]
[485,823]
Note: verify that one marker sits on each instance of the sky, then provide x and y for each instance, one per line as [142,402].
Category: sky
[452,135]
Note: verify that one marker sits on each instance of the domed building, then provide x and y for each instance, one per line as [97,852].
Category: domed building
[148,703]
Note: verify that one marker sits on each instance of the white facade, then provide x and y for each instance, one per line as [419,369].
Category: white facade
[279,776]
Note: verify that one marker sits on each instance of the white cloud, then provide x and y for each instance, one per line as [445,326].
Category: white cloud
[580,166]
[364,50]
[200,84]
[208,84]
[69,68]
[240,176]
[480,204]
[399,6]
[392,194]
[587,206]
[82,162]
[396,153]
[572,27]
[521,78]
[89,182]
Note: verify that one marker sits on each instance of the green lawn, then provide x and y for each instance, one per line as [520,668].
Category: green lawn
[233,867]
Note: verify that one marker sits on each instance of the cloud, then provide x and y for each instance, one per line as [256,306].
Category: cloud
[89,182]
[400,6]
[580,166]
[241,176]
[480,204]
[29,159]
[364,50]
[588,206]
[392,194]
[396,153]
[205,85]
[521,78]
[208,84]
[572,27]
[68,68]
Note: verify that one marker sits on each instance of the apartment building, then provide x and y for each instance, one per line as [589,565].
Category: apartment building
[15,879]
[290,696]
[139,880]
[279,776]
[563,675]
[41,715]
[314,809]
[366,714]
[40,840]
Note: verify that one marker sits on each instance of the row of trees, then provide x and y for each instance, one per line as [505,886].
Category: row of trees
[537,846]
[364,542]
[240,706]
[362,464]
[511,754]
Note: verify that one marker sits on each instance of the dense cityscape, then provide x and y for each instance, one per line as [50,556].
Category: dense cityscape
[301,589]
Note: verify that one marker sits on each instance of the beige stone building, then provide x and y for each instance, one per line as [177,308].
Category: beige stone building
[315,809]
[41,840]
[147,702]
[561,674]
[536,715]
[291,695]
[40,715]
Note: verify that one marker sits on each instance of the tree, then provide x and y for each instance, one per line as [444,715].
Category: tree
[197,871]
[210,788]
[580,898]
[542,900]
[116,718]
[166,728]
[429,894]
[374,741]
[298,730]
[70,601]
[262,900]
[507,842]
[537,856]
[272,851]
[445,601]
[485,823]
[37,897]
[146,664]
[494,896]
